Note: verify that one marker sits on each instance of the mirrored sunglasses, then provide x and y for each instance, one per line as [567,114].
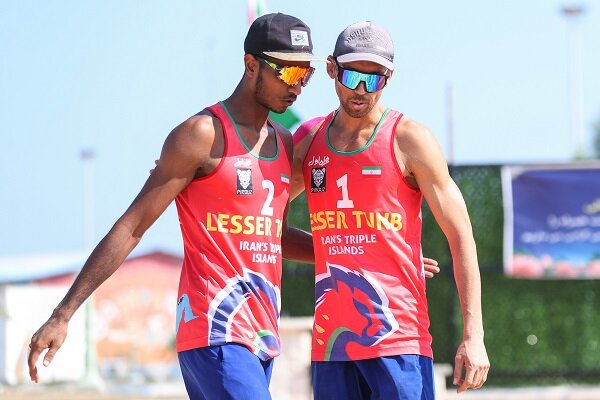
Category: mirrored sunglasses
[351,79]
[291,74]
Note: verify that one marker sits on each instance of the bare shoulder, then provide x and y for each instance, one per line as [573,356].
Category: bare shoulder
[308,129]
[415,141]
[196,144]
[304,135]
[198,129]
[418,151]
[412,134]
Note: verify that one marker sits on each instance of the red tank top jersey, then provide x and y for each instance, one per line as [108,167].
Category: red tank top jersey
[366,222]
[231,222]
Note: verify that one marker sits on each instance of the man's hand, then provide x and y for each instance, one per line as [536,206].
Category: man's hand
[431,267]
[471,357]
[50,336]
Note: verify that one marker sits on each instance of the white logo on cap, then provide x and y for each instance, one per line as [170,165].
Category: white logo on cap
[299,38]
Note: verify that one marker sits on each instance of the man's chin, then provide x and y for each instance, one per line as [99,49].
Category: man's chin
[279,110]
[354,113]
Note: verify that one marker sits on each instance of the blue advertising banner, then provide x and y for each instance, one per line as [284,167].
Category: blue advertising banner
[552,221]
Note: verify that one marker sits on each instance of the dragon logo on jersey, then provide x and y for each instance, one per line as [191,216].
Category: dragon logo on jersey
[229,313]
[244,181]
[361,306]
[317,180]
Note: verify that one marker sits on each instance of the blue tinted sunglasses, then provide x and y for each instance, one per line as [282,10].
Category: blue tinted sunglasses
[351,79]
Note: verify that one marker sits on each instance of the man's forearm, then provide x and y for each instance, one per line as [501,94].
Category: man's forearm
[297,245]
[468,283]
[101,264]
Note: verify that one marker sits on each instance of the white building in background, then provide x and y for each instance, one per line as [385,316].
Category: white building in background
[23,309]
[133,325]
[25,306]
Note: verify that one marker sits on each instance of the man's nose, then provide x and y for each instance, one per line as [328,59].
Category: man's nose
[361,88]
[296,89]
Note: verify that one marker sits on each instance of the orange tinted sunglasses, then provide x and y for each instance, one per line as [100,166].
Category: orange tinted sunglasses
[291,74]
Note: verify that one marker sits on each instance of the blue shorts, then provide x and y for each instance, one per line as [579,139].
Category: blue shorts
[225,372]
[405,377]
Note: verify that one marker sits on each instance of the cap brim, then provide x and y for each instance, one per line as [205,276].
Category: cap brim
[366,57]
[293,56]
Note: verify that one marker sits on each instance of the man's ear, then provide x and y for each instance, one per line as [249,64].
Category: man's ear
[251,65]
[331,67]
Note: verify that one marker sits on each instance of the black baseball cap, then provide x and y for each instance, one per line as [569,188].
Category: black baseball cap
[280,36]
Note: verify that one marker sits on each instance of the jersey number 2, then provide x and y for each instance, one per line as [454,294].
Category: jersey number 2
[267,209]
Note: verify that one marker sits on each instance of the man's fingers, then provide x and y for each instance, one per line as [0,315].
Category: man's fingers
[430,271]
[50,355]
[458,369]
[36,351]
[469,379]
[474,378]
[481,377]
[33,375]
[474,363]
[430,267]
[467,382]
[31,360]
[462,387]
[430,261]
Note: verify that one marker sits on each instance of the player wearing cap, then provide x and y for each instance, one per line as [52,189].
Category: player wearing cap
[365,169]
[228,169]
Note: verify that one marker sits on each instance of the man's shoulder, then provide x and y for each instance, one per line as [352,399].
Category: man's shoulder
[308,127]
[414,140]
[409,129]
[200,125]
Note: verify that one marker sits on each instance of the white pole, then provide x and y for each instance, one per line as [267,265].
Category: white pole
[450,123]
[87,156]
[573,14]
[91,379]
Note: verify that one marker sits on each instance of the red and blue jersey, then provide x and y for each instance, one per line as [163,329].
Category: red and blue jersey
[366,223]
[231,222]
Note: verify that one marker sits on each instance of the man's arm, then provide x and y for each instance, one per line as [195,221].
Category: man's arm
[423,158]
[185,151]
[296,244]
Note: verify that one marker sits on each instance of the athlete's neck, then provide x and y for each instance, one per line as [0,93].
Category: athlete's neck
[244,110]
[354,126]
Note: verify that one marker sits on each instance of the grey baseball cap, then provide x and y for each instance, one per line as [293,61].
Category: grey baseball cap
[365,41]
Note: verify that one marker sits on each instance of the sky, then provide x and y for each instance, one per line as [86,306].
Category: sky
[115,77]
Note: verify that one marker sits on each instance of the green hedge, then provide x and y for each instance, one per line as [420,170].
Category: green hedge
[536,331]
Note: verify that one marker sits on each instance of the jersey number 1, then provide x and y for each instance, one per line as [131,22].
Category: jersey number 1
[345,202]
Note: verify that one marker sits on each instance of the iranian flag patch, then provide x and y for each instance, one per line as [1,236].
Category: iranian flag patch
[285,179]
[371,170]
